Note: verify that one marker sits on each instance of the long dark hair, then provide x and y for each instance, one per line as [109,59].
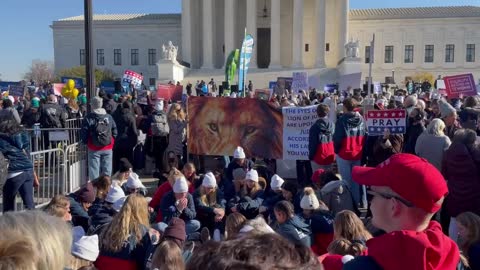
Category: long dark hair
[9,125]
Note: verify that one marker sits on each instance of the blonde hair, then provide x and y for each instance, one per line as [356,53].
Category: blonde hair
[58,206]
[349,226]
[33,240]
[173,175]
[168,256]
[77,263]
[436,127]
[176,113]
[131,220]
[208,199]
[234,224]
[471,222]
[344,247]
[256,188]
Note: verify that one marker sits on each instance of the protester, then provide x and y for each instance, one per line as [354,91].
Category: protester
[239,161]
[460,168]
[124,170]
[52,115]
[320,142]
[80,202]
[34,240]
[449,116]
[168,256]
[59,206]
[98,133]
[432,143]
[125,241]
[103,215]
[415,127]
[127,135]
[412,240]
[8,111]
[234,223]
[189,171]
[84,250]
[157,140]
[468,225]
[348,225]
[19,176]
[177,124]
[102,186]
[348,139]
[468,116]
[251,198]
[290,226]
[31,116]
[134,185]
[336,193]
[383,147]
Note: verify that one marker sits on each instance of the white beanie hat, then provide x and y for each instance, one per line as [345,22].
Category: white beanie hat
[239,153]
[118,204]
[12,99]
[159,105]
[276,182]
[252,175]
[309,200]
[134,181]
[86,248]
[114,193]
[209,180]
[180,185]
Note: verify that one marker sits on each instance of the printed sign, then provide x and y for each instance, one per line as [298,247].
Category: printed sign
[378,121]
[16,90]
[460,85]
[299,82]
[349,80]
[170,92]
[133,78]
[296,126]
[330,88]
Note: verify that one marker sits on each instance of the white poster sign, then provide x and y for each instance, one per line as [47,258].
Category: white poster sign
[296,126]
[300,81]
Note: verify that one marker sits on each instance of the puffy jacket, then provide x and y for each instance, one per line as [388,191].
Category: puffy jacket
[295,230]
[169,209]
[249,206]
[320,142]
[349,136]
[15,149]
[52,115]
[88,128]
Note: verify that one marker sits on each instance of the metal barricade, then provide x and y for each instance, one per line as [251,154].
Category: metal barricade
[51,138]
[76,166]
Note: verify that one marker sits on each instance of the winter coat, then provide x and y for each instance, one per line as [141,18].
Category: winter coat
[99,219]
[320,142]
[377,149]
[80,216]
[349,136]
[432,148]
[15,149]
[52,112]
[296,231]
[109,105]
[248,205]
[248,165]
[461,169]
[30,117]
[338,197]
[450,131]
[130,257]
[321,224]
[157,198]
[176,137]
[400,250]
[169,209]
[127,130]
[413,132]
[10,112]
[205,210]
[88,129]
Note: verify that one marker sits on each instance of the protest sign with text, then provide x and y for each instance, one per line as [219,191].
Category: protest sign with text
[299,81]
[460,85]
[378,121]
[16,90]
[133,78]
[296,127]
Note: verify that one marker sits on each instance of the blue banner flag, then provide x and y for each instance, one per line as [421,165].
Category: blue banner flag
[245,57]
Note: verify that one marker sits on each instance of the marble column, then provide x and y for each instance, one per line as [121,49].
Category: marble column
[187,31]
[252,29]
[342,27]
[230,18]
[320,15]
[297,61]
[207,34]
[275,42]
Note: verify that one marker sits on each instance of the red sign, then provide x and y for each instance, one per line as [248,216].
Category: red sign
[460,85]
[57,88]
[169,92]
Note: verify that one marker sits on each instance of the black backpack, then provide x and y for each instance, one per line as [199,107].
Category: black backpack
[102,134]
[3,170]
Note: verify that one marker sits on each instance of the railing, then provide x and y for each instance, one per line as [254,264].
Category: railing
[51,138]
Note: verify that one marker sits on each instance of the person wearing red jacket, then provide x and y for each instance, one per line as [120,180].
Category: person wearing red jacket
[407,191]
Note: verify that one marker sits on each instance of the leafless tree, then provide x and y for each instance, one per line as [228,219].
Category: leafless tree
[40,71]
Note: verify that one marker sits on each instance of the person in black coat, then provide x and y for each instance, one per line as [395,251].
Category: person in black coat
[127,135]
[416,126]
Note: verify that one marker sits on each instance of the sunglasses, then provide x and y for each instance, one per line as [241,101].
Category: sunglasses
[389,197]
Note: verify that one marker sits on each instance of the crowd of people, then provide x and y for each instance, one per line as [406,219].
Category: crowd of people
[362,201]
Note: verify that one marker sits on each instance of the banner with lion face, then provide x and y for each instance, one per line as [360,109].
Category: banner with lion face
[218,125]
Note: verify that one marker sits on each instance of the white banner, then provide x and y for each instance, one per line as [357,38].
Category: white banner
[299,82]
[296,126]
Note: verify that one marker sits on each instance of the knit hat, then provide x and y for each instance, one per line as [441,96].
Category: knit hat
[125,165]
[176,229]
[309,200]
[118,204]
[239,174]
[96,103]
[445,108]
[86,248]
[276,182]
[86,193]
[209,180]
[35,102]
[134,181]
[159,106]
[290,186]
[239,153]
[114,193]
[252,175]
[12,99]
[181,185]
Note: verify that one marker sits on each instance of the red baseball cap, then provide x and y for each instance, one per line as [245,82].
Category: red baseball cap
[411,177]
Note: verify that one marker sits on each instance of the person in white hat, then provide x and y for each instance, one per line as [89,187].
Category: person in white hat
[210,203]
[179,203]
[239,161]
[134,185]
[253,196]
[276,183]
[85,250]
[103,215]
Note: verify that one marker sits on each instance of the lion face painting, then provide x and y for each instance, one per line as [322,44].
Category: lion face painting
[218,125]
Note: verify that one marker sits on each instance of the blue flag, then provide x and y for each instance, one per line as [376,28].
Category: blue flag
[245,57]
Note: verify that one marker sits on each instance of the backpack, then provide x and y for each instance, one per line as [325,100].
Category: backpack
[3,170]
[52,120]
[160,125]
[102,134]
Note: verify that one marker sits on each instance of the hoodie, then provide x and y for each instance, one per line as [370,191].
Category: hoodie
[320,142]
[296,231]
[338,197]
[427,250]
[349,136]
[88,130]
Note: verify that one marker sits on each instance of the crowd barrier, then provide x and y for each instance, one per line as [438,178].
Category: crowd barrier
[50,138]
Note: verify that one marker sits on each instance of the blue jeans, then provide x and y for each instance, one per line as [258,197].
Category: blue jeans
[99,163]
[191,226]
[22,184]
[345,169]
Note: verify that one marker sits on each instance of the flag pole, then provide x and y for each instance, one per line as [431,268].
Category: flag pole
[244,63]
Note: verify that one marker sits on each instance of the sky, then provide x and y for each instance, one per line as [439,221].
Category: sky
[25,32]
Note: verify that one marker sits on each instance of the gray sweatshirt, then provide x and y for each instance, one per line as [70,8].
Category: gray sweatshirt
[431,148]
